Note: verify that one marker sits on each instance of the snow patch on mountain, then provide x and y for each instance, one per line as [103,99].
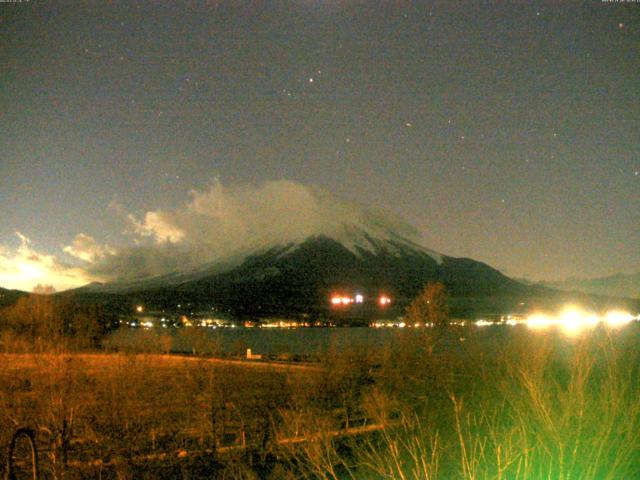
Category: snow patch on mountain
[221,226]
[358,238]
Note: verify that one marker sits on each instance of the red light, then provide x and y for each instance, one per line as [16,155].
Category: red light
[339,300]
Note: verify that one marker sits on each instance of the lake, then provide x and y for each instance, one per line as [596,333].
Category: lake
[310,341]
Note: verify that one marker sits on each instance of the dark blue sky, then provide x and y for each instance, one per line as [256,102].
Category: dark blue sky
[508,132]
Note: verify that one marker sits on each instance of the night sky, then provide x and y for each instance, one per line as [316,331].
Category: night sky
[507,132]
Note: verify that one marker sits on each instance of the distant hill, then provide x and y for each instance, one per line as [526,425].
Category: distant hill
[619,285]
[9,297]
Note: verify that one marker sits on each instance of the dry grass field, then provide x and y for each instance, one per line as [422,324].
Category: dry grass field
[530,405]
[97,411]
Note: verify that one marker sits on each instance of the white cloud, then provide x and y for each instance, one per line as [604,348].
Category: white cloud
[212,224]
[86,248]
[222,220]
[159,226]
[244,215]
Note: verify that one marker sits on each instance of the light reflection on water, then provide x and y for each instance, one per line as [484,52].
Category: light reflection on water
[310,341]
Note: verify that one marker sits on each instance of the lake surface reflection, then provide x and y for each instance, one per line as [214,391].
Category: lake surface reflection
[310,341]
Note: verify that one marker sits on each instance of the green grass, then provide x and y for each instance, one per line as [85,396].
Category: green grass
[534,407]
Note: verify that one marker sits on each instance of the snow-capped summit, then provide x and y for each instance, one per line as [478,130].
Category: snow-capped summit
[284,249]
[372,238]
[299,277]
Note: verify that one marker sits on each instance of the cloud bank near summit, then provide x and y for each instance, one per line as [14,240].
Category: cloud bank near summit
[219,221]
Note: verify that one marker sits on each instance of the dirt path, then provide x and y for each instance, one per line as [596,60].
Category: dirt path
[9,361]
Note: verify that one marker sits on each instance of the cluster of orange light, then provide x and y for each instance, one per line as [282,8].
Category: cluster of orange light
[337,300]
[573,320]
[341,300]
[384,300]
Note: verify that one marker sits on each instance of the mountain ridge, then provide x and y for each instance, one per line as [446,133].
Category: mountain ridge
[355,238]
[618,285]
[9,297]
[299,277]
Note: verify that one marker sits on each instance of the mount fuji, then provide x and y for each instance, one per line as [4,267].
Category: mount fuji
[300,275]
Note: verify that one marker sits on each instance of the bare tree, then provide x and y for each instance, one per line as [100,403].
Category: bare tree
[429,306]
[41,289]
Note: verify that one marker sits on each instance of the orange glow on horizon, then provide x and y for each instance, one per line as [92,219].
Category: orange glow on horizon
[24,268]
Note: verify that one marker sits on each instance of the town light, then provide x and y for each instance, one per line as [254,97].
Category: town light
[618,318]
[573,320]
[483,323]
[539,321]
[384,300]
[337,300]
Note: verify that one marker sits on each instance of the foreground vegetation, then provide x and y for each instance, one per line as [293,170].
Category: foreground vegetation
[453,405]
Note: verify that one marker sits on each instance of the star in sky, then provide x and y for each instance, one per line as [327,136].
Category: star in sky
[426,109]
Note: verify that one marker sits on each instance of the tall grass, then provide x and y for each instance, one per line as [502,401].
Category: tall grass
[534,407]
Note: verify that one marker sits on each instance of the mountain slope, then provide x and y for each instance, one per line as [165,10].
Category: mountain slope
[356,239]
[299,278]
[9,297]
[618,285]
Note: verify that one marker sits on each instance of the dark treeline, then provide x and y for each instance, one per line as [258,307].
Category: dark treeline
[50,320]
